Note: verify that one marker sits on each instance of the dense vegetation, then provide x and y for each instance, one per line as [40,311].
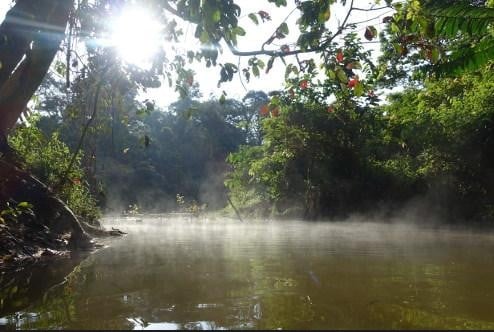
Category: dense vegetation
[48,158]
[429,144]
[325,146]
[146,159]
[432,142]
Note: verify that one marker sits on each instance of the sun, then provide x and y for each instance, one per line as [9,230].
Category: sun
[136,35]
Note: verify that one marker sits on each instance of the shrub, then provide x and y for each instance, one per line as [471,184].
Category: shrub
[48,158]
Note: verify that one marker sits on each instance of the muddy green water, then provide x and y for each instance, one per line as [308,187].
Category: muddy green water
[214,274]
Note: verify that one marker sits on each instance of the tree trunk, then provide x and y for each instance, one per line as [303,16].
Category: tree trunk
[30,37]
[15,36]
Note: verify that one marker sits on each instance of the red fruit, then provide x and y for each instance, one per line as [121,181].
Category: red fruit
[264,110]
[352,82]
[304,84]
[339,56]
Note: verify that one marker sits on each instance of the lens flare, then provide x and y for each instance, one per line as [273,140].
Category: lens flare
[136,36]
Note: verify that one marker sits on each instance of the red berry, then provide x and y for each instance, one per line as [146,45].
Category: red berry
[264,110]
[339,56]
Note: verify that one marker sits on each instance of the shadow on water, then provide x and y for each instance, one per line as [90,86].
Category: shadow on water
[23,285]
[206,274]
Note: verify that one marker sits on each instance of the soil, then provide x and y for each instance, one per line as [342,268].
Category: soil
[45,228]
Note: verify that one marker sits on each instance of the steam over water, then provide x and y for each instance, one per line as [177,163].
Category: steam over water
[171,273]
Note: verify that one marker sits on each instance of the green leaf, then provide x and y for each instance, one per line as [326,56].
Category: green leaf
[395,28]
[239,31]
[358,90]
[253,17]
[434,55]
[216,17]
[331,74]
[204,38]
[324,16]
[283,28]
[24,205]
[340,74]
[468,59]
[279,3]
[270,64]
[290,69]
[461,18]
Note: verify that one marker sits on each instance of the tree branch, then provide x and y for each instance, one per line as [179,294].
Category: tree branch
[279,53]
[97,92]
[370,9]
[169,8]
[274,33]
[371,19]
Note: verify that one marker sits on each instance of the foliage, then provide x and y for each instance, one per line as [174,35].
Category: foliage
[446,133]
[146,157]
[320,146]
[439,37]
[48,158]
[310,155]
[12,213]
[331,161]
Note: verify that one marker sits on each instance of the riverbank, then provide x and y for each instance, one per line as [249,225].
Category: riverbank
[24,241]
[34,223]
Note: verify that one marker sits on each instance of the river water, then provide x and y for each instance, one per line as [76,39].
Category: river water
[182,273]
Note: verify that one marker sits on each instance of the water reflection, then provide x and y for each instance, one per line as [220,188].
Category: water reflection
[196,274]
[21,286]
[140,324]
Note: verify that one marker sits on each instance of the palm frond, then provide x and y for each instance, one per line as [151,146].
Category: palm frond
[461,18]
[468,58]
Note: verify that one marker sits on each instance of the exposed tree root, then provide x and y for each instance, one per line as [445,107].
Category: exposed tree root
[50,228]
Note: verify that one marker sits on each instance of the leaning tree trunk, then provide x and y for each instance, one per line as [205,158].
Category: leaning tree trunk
[30,37]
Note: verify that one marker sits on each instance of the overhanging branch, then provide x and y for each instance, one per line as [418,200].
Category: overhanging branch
[279,53]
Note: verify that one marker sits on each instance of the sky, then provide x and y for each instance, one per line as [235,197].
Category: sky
[256,35]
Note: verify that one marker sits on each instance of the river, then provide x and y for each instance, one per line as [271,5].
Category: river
[211,273]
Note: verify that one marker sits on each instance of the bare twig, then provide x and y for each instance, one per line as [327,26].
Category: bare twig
[370,9]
